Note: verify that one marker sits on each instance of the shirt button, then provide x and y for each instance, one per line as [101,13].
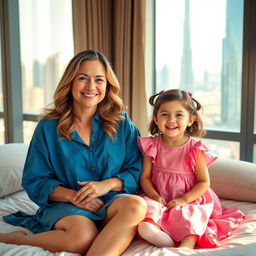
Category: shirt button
[93,168]
[92,139]
[90,149]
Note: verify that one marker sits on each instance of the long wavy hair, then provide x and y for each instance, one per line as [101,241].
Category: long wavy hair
[187,101]
[109,108]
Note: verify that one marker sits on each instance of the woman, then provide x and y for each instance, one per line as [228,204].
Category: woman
[82,167]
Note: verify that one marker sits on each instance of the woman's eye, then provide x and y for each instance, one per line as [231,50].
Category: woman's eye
[179,115]
[164,115]
[100,81]
[82,78]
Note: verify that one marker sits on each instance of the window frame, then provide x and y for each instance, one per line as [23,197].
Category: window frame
[11,71]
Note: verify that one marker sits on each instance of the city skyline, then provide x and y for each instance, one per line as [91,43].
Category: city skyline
[208,85]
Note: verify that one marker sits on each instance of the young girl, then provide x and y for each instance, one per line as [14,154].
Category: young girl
[182,209]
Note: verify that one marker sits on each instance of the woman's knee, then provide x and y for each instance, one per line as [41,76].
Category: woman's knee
[80,241]
[80,233]
[133,206]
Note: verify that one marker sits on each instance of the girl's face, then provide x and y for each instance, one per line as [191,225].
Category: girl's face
[172,119]
[89,85]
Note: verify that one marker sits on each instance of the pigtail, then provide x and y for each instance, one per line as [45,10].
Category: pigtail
[196,129]
[153,97]
[153,128]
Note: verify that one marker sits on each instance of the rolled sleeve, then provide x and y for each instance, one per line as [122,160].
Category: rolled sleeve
[38,178]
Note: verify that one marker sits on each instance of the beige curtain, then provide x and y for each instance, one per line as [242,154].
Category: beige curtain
[117,28]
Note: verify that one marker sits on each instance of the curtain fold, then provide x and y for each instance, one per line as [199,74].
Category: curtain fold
[117,29]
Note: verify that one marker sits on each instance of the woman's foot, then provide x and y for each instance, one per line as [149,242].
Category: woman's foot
[10,237]
[154,235]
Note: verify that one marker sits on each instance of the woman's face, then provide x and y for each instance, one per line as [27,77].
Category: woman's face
[89,85]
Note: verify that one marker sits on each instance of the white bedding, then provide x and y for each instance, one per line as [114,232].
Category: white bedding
[241,242]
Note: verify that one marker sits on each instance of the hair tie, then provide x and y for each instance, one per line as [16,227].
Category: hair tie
[190,94]
[161,92]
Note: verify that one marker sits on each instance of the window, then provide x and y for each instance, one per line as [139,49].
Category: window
[46,40]
[1,100]
[199,48]
[254,153]
[254,147]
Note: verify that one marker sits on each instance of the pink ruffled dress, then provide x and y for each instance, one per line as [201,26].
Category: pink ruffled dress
[172,176]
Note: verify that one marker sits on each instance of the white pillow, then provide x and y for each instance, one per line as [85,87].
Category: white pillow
[12,159]
[234,179]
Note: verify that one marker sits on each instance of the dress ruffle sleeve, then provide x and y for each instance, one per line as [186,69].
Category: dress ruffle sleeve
[147,146]
[193,155]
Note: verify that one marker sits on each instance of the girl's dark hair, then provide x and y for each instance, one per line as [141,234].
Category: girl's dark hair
[188,102]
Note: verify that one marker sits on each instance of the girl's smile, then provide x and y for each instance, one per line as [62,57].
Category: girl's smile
[172,120]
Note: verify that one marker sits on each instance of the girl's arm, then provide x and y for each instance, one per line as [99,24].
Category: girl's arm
[146,183]
[202,185]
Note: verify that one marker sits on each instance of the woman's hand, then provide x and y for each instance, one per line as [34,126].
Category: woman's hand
[159,199]
[91,190]
[93,205]
[178,201]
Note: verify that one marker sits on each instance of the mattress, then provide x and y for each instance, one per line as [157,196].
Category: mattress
[241,242]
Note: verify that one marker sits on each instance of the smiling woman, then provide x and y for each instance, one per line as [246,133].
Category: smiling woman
[78,177]
[89,87]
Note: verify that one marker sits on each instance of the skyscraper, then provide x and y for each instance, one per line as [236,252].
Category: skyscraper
[231,65]
[186,79]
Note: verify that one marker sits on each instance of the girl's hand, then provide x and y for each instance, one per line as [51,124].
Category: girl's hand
[159,199]
[93,205]
[176,202]
[90,190]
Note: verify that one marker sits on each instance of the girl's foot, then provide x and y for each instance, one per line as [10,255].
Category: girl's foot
[188,242]
[154,235]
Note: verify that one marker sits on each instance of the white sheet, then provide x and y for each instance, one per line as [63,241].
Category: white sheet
[241,242]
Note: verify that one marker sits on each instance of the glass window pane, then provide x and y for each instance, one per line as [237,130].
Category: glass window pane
[1,78]
[46,38]
[255,111]
[2,128]
[28,130]
[223,148]
[254,153]
[199,49]
[2,140]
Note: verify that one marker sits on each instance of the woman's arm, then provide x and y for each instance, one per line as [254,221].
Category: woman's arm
[202,185]
[130,171]
[61,194]
[146,181]
[38,174]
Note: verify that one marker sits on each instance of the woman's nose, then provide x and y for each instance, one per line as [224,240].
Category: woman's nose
[90,84]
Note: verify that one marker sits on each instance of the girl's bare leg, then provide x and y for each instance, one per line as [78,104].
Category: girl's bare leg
[188,242]
[123,217]
[73,233]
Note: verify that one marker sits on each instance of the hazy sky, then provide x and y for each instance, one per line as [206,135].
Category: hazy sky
[207,25]
[45,28]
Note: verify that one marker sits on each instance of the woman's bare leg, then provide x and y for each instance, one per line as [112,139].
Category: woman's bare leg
[123,217]
[188,242]
[73,233]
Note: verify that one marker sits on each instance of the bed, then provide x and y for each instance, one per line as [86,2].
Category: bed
[234,182]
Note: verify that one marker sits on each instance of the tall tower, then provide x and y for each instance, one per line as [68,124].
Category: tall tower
[232,65]
[186,79]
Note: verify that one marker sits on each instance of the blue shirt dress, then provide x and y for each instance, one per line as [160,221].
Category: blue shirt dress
[53,160]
